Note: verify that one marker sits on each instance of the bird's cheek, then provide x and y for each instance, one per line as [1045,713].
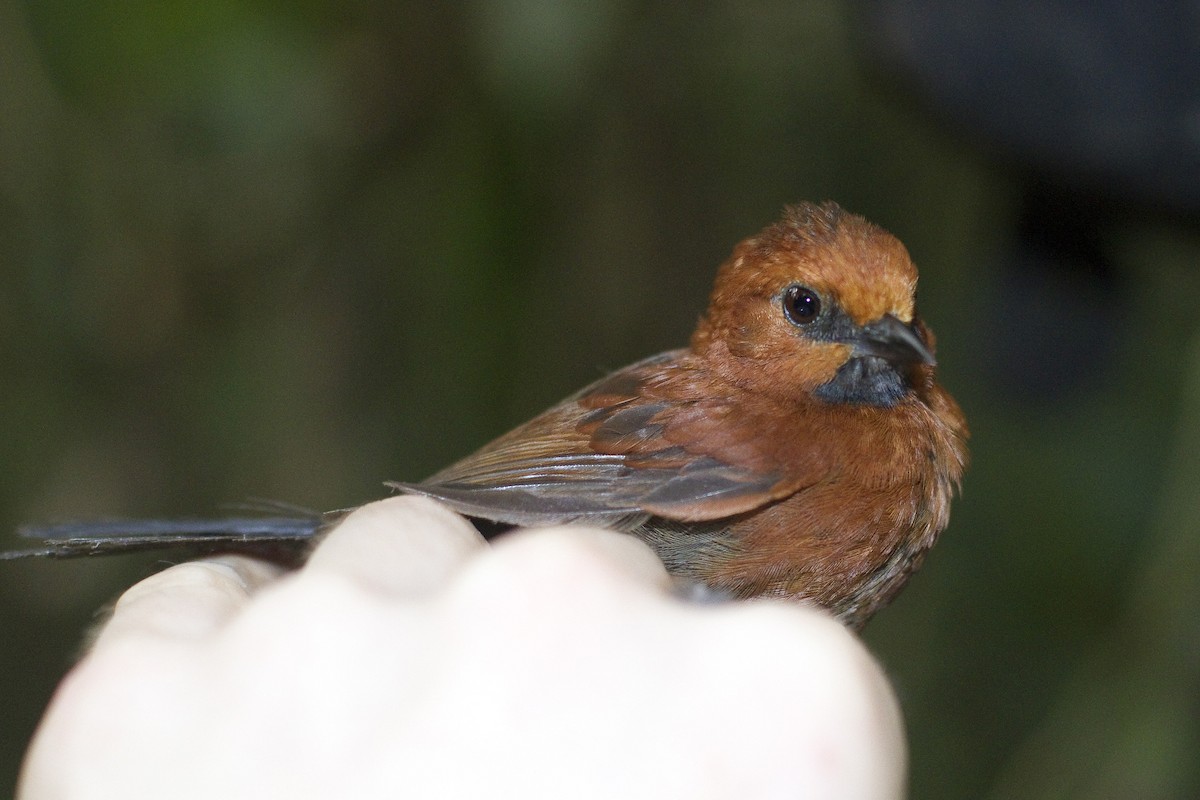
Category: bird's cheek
[757,336]
[817,365]
[787,373]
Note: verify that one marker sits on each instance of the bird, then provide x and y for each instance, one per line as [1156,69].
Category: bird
[799,447]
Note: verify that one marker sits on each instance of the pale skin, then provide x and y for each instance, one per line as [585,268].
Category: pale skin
[410,659]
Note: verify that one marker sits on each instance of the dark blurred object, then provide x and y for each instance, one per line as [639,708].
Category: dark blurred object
[1096,94]
[1097,106]
[1056,312]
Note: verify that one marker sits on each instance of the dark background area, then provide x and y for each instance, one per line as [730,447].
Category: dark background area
[290,250]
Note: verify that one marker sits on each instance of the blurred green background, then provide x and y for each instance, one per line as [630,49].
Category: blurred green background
[292,249]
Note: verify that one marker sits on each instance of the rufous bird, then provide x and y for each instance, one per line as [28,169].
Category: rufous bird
[799,447]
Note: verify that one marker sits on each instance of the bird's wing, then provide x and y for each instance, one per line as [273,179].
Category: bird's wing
[630,446]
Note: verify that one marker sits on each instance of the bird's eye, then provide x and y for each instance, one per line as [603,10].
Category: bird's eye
[801,304]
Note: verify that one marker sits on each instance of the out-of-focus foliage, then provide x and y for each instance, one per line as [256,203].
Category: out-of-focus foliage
[291,250]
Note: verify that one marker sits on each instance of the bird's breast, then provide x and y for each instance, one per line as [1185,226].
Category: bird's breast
[848,539]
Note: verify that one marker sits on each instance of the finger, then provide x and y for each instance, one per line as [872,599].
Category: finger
[536,572]
[407,546]
[187,601]
[837,731]
[590,550]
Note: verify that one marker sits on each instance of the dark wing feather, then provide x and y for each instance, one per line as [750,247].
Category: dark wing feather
[608,455]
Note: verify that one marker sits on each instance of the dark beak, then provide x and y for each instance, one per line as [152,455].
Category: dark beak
[892,340]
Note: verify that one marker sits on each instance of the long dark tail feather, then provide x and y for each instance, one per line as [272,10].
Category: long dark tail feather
[278,538]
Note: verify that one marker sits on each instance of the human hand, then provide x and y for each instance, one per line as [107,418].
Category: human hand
[407,658]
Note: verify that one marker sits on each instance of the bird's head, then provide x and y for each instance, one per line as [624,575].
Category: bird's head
[821,303]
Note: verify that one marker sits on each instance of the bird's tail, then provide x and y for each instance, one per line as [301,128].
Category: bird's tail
[281,538]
